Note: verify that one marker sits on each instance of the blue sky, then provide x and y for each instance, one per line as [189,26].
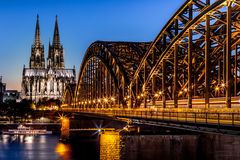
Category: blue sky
[81,22]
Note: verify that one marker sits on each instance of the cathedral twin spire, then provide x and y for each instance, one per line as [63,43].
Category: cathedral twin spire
[56,37]
[55,54]
[37,40]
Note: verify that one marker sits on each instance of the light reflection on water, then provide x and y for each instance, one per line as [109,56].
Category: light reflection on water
[26,147]
[165,147]
[111,145]
[64,150]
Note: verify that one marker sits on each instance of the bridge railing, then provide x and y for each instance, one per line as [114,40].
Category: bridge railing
[224,117]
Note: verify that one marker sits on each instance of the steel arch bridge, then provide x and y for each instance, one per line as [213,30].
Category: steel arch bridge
[194,62]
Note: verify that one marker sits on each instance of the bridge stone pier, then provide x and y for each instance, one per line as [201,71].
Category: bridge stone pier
[65,128]
[87,126]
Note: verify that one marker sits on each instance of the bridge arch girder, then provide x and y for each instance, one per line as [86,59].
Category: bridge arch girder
[68,96]
[105,63]
[204,45]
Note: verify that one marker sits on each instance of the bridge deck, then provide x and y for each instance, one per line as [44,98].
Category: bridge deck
[192,116]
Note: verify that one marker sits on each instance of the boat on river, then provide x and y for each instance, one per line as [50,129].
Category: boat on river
[23,130]
[130,129]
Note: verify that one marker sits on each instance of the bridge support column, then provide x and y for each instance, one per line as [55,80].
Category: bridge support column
[130,102]
[163,83]
[154,90]
[228,56]
[65,129]
[144,87]
[235,71]
[175,80]
[190,68]
[207,52]
[137,94]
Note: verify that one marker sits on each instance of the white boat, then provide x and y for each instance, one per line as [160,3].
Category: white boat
[23,130]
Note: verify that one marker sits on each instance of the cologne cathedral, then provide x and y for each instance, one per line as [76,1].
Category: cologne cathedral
[46,81]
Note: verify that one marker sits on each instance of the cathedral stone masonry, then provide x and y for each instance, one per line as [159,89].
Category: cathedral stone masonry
[46,81]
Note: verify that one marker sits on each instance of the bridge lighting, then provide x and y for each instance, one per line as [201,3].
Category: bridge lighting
[105,100]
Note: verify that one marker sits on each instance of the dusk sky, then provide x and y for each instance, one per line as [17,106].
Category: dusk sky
[81,22]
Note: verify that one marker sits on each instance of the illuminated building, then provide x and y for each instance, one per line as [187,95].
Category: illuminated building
[42,80]
[11,95]
[2,89]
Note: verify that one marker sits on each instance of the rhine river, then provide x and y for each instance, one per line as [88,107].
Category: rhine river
[112,146]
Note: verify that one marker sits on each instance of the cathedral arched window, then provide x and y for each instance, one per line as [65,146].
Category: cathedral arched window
[38,59]
[51,86]
[39,85]
[57,61]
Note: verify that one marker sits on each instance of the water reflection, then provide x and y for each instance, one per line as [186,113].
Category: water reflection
[5,139]
[21,147]
[165,147]
[64,150]
[110,145]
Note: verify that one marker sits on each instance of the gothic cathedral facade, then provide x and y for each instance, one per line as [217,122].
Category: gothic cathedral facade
[46,81]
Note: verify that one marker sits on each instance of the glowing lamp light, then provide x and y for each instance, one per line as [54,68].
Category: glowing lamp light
[217,88]
[185,89]
[125,98]
[180,92]
[138,97]
[112,99]
[94,101]
[156,95]
[160,92]
[128,96]
[223,84]
[99,100]
[142,95]
[105,100]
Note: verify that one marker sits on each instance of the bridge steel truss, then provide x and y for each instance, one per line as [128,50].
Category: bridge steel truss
[106,72]
[69,94]
[194,59]
[195,56]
